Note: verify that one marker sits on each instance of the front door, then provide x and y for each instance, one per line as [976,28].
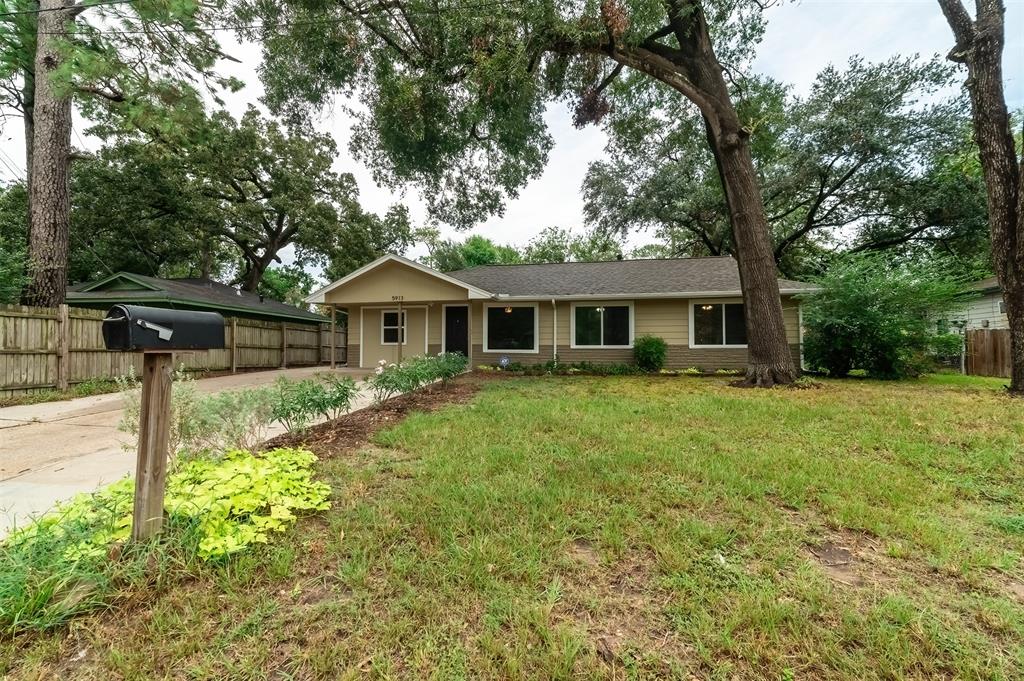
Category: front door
[456,329]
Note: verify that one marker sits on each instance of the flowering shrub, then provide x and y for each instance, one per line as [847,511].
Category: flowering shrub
[390,379]
[69,560]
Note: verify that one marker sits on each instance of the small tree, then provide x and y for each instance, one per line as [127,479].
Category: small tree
[878,316]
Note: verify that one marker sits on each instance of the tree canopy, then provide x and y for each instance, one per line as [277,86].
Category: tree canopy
[455,92]
[867,160]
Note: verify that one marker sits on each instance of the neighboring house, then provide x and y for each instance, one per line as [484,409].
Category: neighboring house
[987,310]
[185,294]
[580,311]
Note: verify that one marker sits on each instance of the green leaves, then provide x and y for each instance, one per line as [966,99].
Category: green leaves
[879,316]
[214,509]
[861,161]
[392,379]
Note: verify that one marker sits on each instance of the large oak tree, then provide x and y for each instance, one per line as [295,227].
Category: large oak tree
[454,94]
[979,46]
[871,158]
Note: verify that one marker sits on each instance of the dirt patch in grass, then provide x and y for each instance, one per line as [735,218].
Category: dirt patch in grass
[838,563]
[620,608]
[352,431]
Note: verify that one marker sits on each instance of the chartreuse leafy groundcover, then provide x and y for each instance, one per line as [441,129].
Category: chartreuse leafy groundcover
[70,559]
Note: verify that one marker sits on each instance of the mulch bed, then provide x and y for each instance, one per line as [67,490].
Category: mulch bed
[354,430]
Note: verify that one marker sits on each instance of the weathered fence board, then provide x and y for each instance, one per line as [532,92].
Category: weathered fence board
[988,352]
[35,340]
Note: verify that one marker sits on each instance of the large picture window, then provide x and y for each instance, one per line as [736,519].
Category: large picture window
[390,328]
[511,329]
[718,324]
[598,326]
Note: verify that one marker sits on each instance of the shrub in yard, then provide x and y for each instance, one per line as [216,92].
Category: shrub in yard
[235,419]
[72,559]
[341,391]
[393,379]
[649,353]
[297,403]
[189,431]
[877,315]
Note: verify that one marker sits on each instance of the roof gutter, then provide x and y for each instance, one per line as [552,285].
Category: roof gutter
[642,296]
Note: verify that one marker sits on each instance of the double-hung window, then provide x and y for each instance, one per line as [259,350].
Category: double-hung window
[717,325]
[602,326]
[392,327]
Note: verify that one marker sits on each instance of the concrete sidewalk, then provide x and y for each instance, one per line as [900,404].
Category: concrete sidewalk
[52,451]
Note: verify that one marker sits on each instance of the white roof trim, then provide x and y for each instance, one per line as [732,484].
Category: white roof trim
[319,296]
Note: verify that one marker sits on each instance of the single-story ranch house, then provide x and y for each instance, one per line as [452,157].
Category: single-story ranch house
[577,311]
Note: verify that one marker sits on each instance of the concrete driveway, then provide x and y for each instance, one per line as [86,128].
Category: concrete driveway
[52,451]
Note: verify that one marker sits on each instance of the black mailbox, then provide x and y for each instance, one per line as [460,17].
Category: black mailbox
[135,327]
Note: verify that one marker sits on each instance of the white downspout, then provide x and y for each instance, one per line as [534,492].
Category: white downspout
[554,332]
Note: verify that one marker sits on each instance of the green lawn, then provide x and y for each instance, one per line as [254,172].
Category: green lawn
[618,528]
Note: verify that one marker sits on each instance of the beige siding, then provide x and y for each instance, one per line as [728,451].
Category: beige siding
[374,350]
[394,281]
[668,319]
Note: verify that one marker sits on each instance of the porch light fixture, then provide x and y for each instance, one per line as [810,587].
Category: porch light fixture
[508,309]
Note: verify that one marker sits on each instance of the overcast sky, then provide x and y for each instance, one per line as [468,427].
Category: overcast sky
[801,39]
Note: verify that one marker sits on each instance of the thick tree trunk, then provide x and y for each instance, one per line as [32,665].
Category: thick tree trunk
[979,45]
[769,359]
[28,97]
[49,200]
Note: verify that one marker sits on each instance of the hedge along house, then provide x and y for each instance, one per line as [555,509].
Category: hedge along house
[579,311]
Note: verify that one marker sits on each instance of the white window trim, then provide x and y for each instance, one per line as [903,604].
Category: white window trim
[572,325]
[536,329]
[712,301]
[403,318]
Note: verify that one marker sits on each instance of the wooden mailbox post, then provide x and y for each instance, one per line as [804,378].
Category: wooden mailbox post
[157,333]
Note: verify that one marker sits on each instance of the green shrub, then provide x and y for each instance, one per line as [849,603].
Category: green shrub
[234,419]
[876,315]
[189,430]
[393,379]
[649,353]
[946,345]
[297,403]
[341,390]
[68,561]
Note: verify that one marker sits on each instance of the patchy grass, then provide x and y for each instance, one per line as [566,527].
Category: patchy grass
[620,527]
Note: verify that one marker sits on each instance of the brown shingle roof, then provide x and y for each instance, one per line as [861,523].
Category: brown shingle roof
[616,277]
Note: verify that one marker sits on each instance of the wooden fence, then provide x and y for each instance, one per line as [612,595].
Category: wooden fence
[988,352]
[44,348]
